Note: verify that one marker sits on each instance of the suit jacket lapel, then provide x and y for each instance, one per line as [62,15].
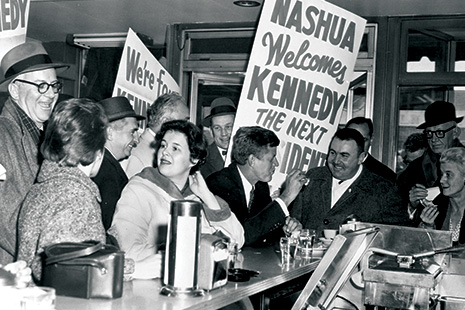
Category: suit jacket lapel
[236,178]
[116,165]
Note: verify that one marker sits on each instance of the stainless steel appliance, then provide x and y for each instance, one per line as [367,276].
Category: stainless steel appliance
[398,268]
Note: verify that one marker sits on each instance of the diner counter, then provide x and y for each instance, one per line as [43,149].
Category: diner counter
[144,294]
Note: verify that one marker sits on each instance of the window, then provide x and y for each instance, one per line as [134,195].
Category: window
[432,68]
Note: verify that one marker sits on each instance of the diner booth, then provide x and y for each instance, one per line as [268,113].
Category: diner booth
[410,56]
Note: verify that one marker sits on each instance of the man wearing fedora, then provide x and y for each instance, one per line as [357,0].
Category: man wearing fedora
[441,131]
[122,137]
[220,121]
[167,107]
[30,77]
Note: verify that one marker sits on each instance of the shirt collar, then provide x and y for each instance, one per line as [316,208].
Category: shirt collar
[348,182]
[247,186]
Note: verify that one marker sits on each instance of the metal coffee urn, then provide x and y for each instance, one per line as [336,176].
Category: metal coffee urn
[182,247]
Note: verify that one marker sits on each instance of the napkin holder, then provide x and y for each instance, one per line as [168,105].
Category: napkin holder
[213,262]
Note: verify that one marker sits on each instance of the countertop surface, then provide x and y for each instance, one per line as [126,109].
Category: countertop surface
[144,294]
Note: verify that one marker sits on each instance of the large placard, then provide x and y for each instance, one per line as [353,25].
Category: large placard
[298,76]
[141,78]
[14,16]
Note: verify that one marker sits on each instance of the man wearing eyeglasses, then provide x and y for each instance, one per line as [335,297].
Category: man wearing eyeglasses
[441,132]
[30,77]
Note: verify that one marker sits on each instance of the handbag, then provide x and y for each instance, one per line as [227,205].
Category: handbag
[85,270]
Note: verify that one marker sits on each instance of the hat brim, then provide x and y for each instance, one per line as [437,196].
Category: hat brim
[36,68]
[118,117]
[431,124]
[207,121]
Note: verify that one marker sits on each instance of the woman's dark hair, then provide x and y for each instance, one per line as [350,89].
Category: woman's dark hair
[76,131]
[194,136]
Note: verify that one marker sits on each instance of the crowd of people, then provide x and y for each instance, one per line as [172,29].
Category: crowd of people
[80,170]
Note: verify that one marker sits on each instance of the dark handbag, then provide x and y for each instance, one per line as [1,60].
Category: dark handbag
[85,270]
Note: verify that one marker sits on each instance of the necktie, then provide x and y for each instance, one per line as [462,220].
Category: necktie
[249,206]
[224,153]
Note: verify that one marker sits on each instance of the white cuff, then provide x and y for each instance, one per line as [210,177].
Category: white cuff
[282,205]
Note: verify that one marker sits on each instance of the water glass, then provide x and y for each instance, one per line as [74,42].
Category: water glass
[285,248]
[233,251]
[306,242]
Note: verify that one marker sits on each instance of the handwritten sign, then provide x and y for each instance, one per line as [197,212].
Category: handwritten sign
[14,16]
[298,76]
[141,78]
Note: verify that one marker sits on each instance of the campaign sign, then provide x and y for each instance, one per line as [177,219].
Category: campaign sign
[297,78]
[141,78]
[13,24]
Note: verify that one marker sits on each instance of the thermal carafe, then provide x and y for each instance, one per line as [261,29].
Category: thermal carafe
[182,247]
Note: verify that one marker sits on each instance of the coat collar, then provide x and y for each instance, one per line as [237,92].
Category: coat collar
[153,175]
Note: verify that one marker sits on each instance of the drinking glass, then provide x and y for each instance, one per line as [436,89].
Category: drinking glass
[306,242]
[285,248]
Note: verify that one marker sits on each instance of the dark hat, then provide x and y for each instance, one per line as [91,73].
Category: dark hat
[119,107]
[439,112]
[220,106]
[26,57]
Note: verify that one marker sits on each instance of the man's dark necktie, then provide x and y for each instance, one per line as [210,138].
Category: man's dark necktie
[251,199]
[224,153]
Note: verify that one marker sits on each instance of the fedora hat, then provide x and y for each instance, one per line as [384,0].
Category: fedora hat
[119,107]
[219,106]
[26,57]
[439,112]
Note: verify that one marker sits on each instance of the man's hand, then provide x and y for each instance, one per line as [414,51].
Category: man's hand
[291,225]
[416,194]
[292,186]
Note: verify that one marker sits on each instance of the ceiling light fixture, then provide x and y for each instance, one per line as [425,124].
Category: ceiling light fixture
[247,3]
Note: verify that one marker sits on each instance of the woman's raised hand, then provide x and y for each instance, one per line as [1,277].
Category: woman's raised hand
[200,189]
[198,185]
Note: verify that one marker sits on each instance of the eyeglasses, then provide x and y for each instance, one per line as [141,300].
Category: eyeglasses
[438,133]
[43,87]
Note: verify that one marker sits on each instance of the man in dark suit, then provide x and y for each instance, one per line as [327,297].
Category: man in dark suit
[243,184]
[365,127]
[344,187]
[220,121]
[122,137]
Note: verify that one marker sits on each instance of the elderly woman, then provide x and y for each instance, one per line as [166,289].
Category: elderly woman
[63,205]
[142,213]
[447,211]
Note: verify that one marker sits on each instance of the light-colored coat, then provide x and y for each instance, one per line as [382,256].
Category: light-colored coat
[142,215]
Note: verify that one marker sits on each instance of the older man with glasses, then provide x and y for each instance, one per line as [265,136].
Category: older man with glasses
[441,132]
[31,79]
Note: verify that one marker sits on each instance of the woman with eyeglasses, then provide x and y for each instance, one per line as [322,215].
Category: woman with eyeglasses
[142,213]
[446,212]
[63,204]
